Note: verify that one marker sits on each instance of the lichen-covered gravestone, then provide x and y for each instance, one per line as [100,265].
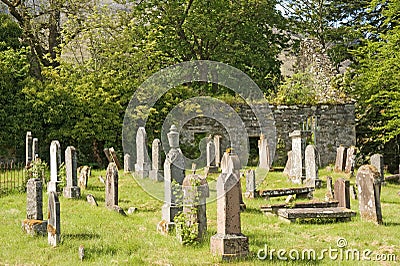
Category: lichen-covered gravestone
[157,171]
[53,226]
[296,171]
[342,192]
[83,176]
[34,224]
[28,148]
[142,166]
[229,242]
[311,165]
[350,160]
[127,163]
[195,191]
[111,198]
[368,183]
[55,162]
[250,184]
[377,161]
[71,190]
[174,173]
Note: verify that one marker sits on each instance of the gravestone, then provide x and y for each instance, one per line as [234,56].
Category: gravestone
[35,149]
[289,163]
[28,148]
[211,166]
[174,173]
[231,164]
[217,144]
[195,191]
[263,153]
[127,163]
[55,162]
[157,171]
[340,164]
[114,158]
[250,184]
[83,176]
[34,199]
[111,198]
[368,183]
[142,166]
[71,190]
[296,172]
[350,160]
[229,242]
[194,168]
[377,161]
[53,226]
[91,200]
[329,194]
[311,164]
[342,192]
[107,153]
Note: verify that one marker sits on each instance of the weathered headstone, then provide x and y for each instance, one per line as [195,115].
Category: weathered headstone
[55,162]
[229,242]
[28,148]
[53,226]
[174,173]
[368,183]
[329,194]
[157,171]
[217,144]
[350,160]
[250,184]
[34,199]
[194,168]
[142,166]
[114,158]
[71,190]
[232,165]
[83,176]
[263,153]
[35,149]
[211,166]
[377,161]
[342,192]
[289,163]
[311,164]
[353,192]
[296,172]
[111,197]
[341,153]
[127,163]
[195,191]
[107,154]
[91,200]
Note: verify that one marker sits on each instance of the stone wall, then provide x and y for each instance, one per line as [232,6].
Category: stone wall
[335,126]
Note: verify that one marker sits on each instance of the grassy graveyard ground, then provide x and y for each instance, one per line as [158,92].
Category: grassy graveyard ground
[110,238]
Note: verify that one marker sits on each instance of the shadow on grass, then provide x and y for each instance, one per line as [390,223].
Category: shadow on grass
[253,210]
[81,236]
[391,224]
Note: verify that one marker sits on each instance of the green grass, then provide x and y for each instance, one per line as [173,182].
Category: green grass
[110,238]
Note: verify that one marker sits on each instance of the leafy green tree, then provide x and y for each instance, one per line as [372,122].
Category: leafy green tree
[10,33]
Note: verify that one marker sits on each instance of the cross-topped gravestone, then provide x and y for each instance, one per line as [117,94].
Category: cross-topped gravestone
[127,163]
[28,148]
[174,173]
[368,183]
[157,171]
[55,162]
[250,184]
[217,144]
[53,226]
[341,153]
[311,164]
[263,153]
[142,166]
[111,198]
[71,190]
[229,242]
[342,192]
[195,191]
